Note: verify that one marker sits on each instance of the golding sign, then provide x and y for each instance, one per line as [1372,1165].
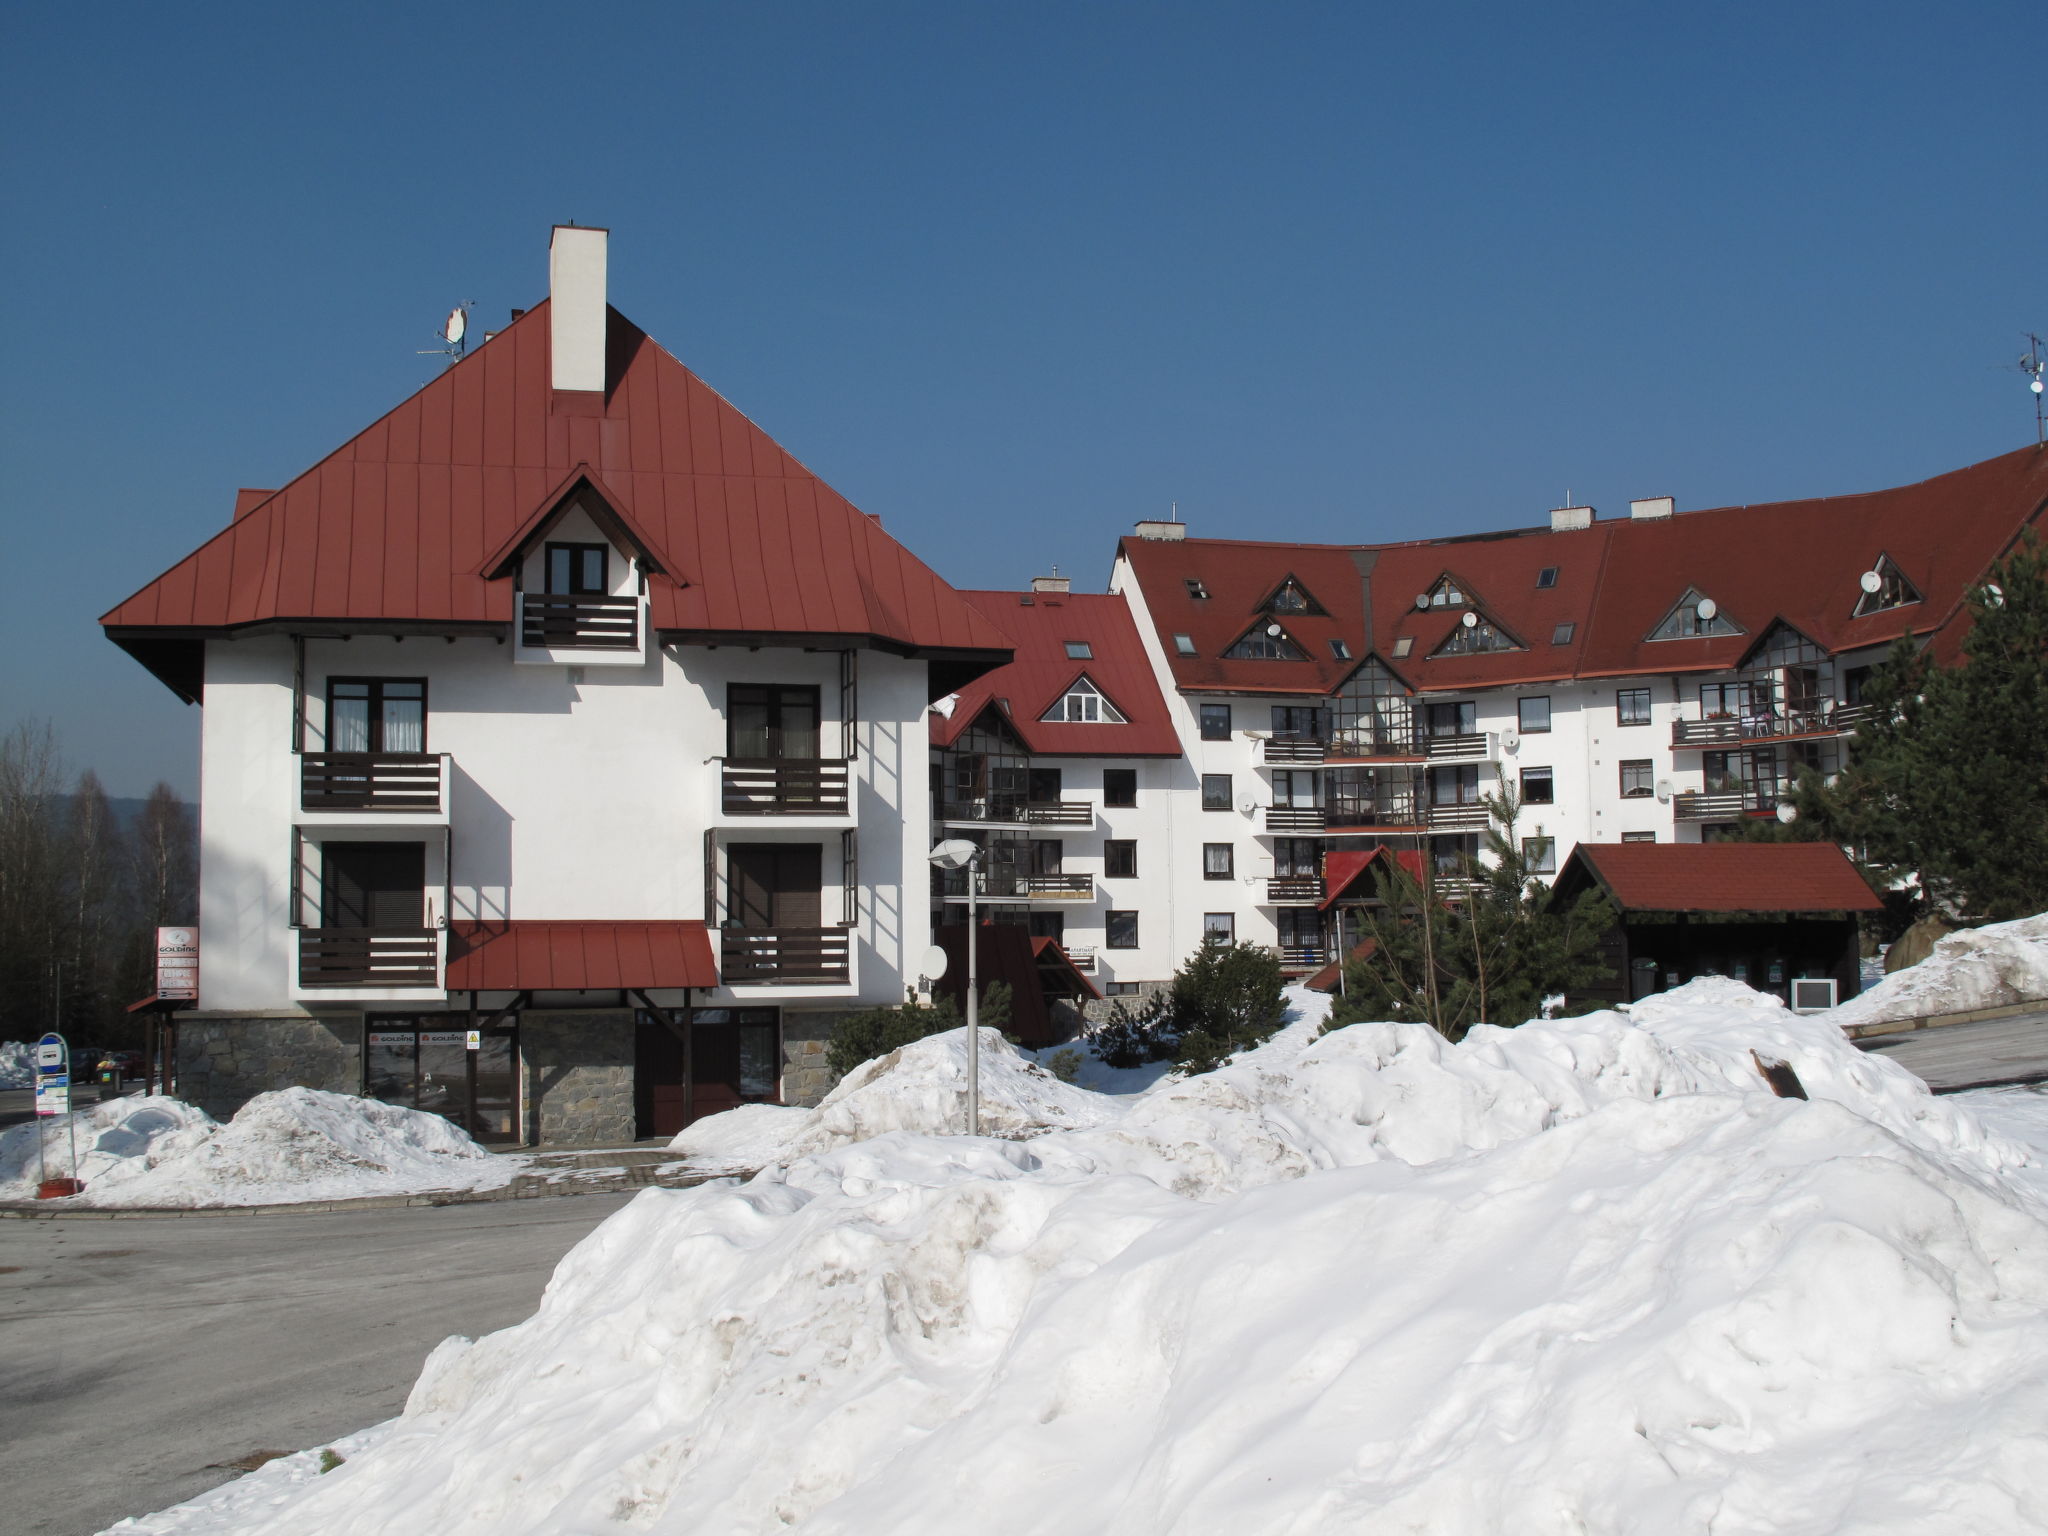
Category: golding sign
[177,964]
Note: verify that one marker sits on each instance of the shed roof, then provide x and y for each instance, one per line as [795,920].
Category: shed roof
[398,526]
[1718,877]
[578,957]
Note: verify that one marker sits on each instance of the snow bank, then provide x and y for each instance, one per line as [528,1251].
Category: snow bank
[1989,967]
[1588,1275]
[17,1064]
[296,1144]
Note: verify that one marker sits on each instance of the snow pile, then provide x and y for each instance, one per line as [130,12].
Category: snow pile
[2020,1115]
[292,1145]
[918,1087]
[17,1064]
[1990,967]
[1589,1275]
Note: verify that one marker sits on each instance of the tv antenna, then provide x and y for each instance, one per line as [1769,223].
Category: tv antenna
[2034,364]
[452,333]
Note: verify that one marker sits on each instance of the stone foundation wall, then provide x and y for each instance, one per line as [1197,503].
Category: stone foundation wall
[222,1064]
[579,1077]
[1097,1010]
[805,1077]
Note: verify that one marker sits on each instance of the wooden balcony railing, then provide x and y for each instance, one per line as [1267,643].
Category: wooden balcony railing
[1731,730]
[368,957]
[1294,749]
[407,783]
[786,957]
[561,621]
[1719,805]
[1388,738]
[1294,818]
[1399,811]
[1020,885]
[1083,956]
[1023,813]
[1302,957]
[1293,890]
[1468,745]
[1458,817]
[774,786]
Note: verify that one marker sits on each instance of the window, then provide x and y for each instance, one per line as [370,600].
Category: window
[1298,722]
[1119,786]
[1121,989]
[1294,786]
[1636,782]
[1215,791]
[578,568]
[1694,617]
[1562,635]
[1267,643]
[1219,861]
[1292,597]
[764,721]
[1080,650]
[1855,681]
[1459,719]
[1478,636]
[377,714]
[1539,855]
[1215,722]
[1445,594]
[1533,714]
[1082,704]
[1184,645]
[1120,859]
[1042,786]
[1120,929]
[1892,589]
[1727,701]
[1538,787]
[1547,577]
[1639,837]
[1195,588]
[1220,926]
[1403,645]
[1632,706]
[1340,650]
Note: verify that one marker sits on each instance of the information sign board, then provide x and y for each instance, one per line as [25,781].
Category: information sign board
[177,964]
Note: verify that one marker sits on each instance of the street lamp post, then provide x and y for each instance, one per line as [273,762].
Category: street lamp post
[958,853]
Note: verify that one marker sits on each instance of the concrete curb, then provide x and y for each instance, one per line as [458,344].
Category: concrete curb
[1942,1020]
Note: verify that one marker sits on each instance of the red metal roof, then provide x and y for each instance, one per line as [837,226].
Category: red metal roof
[1721,877]
[1344,868]
[395,526]
[1327,978]
[1798,561]
[570,957]
[1051,952]
[1041,624]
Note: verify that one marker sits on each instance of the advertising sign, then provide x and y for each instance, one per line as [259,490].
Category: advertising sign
[177,964]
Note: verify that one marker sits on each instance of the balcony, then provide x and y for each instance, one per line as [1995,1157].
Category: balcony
[1020,885]
[395,783]
[1293,890]
[1394,811]
[1458,818]
[1302,957]
[1293,749]
[1020,813]
[1451,747]
[576,621]
[769,786]
[1733,730]
[1082,956]
[369,957]
[1722,805]
[1294,818]
[785,957]
[1366,739]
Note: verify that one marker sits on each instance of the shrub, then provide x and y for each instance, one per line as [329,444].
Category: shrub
[1064,1064]
[876,1032]
[1131,1038]
[1225,998]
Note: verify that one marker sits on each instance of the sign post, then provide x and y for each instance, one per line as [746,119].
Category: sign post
[53,1097]
[177,964]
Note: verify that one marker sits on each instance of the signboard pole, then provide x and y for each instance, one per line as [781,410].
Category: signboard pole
[53,1097]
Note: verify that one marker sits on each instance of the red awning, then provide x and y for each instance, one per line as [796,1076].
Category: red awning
[1346,867]
[1050,952]
[578,957]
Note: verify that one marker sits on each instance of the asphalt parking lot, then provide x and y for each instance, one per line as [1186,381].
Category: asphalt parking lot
[140,1356]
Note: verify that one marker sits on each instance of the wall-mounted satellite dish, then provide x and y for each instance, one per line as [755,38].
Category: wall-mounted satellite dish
[1422,599]
[455,327]
[1870,581]
[1787,812]
[1273,630]
[1664,791]
[1994,594]
[933,965]
[1510,739]
[1708,608]
[1247,804]
[1471,619]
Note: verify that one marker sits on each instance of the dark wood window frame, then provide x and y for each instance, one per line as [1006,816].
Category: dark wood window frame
[775,697]
[1638,778]
[1212,800]
[375,700]
[1215,722]
[1215,868]
[1120,858]
[1120,929]
[575,573]
[1120,786]
[1626,702]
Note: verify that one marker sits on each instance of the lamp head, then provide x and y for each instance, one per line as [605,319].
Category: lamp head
[954,853]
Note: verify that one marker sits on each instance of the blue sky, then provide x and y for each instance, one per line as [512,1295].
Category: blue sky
[1016,276]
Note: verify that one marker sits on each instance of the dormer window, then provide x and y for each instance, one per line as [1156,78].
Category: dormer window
[1080,650]
[1547,577]
[1340,650]
[1268,642]
[1082,704]
[1445,594]
[1291,597]
[1695,617]
[1885,586]
[578,568]
[1184,645]
[1195,588]
[1475,638]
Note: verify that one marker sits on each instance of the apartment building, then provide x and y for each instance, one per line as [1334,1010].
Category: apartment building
[564,748]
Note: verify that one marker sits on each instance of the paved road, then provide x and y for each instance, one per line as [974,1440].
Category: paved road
[2013,1050]
[134,1353]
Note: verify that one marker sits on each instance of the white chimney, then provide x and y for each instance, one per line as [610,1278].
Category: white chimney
[1652,506]
[1155,529]
[1565,519]
[576,311]
[1051,584]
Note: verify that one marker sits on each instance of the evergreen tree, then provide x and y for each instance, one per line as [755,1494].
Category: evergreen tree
[1226,997]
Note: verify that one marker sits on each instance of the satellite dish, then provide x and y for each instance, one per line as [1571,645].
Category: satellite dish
[1870,582]
[1787,812]
[1708,608]
[1510,739]
[454,327]
[1273,630]
[1471,619]
[1664,791]
[1247,804]
[933,965]
[1994,594]
[1422,599]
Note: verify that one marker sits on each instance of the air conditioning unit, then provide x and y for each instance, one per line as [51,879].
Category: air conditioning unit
[1813,994]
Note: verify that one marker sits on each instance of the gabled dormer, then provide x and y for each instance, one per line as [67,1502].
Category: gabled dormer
[1265,641]
[1884,586]
[1695,616]
[1446,592]
[1292,597]
[1082,703]
[579,567]
[1475,634]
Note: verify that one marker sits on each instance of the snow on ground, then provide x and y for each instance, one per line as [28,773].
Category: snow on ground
[296,1144]
[17,1064]
[1587,1275]
[1988,967]
[2018,1114]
